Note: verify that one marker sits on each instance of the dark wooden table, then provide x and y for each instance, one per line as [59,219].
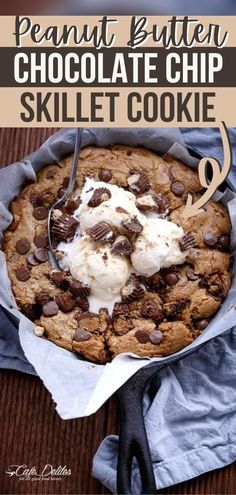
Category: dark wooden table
[32,433]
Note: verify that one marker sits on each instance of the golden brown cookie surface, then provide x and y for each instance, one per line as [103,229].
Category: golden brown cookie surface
[171,308]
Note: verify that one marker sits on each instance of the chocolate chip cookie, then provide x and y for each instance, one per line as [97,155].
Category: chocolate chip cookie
[154,315]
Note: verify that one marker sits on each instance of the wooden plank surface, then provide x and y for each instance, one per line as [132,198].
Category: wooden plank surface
[32,433]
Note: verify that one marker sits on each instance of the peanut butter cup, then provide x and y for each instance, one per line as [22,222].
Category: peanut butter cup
[101,232]
[64,227]
[138,182]
[122,247]
[101,194]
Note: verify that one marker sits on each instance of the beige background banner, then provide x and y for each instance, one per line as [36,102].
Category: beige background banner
[75,106]
[121,29]
[11,108]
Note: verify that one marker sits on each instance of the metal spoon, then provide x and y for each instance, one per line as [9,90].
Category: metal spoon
[78,139]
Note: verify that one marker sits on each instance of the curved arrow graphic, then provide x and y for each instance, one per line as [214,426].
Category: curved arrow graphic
[219,174]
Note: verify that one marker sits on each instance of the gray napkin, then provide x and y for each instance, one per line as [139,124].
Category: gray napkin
[191,423]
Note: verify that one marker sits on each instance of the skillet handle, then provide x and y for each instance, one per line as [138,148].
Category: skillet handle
[133,441]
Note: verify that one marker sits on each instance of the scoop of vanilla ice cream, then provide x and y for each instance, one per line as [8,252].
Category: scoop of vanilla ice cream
[107,210]
[96,266]
[157,247]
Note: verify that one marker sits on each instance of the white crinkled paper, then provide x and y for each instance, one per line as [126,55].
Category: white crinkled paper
[78,387]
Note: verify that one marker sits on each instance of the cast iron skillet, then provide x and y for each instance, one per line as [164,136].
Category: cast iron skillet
[133,443]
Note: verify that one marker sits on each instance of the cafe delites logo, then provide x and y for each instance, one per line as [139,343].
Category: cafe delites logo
[34,473]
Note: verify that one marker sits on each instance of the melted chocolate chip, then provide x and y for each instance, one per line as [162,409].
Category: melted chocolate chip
[48,198]
[104,175]
[119,209]
[101,232]
[72,205]
[66,302]
[168,158]
[82,335]
[41,255]
[210,239]
[32,260]
[22,273]
[122,247]
[61,192]
[175,309]
[201,324]
[50,309]
[132,290]
[42,298]
[223,241]
[41,241]
[156,337]
[36,200]
[66,182]
[50,174]
[177,188]
[40,213]
[191,274]
[152,310]
[216,289]
[120,310]
[59,279]
[33,311]
[171,278]
[101,194]
[22,246]
[203,284]
[142,336]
